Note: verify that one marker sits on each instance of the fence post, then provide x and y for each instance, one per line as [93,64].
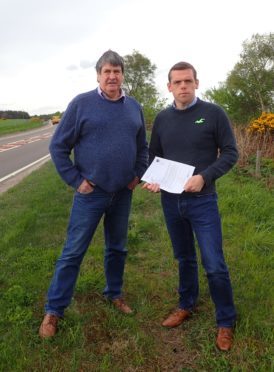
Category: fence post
[258,164]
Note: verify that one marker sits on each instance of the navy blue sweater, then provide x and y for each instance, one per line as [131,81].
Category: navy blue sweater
[108,138]
[200,136]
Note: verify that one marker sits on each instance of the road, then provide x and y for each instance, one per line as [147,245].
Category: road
[22,153]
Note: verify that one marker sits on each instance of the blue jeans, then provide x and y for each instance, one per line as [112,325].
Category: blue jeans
[87,211]
[184,216]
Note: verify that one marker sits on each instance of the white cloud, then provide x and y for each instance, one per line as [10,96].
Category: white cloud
[87,64]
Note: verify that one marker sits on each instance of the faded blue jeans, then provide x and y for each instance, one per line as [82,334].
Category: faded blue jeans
[184,216]
[87,211]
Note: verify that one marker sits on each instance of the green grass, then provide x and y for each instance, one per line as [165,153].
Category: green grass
[93,336]
[10,126]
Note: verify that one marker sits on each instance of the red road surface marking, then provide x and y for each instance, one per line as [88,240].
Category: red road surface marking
[16,144]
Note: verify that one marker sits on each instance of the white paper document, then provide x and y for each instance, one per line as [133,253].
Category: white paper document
[170,175]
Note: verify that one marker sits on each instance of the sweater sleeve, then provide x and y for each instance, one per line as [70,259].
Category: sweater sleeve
[228,153]
[61,146]
[155,148]
[142,151]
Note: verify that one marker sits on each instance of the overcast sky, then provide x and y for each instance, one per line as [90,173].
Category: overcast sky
[49,47]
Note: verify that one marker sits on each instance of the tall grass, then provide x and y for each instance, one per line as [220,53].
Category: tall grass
[93,336]
[248,144]
[256,150]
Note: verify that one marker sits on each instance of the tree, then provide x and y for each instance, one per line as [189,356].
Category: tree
[139,83]
[11,114]
[249,88]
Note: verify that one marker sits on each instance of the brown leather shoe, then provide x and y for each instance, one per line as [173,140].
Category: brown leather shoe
[48,327]
[224,338]
[120,304]
[176,318]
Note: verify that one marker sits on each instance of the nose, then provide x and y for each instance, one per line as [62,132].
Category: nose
[112,75]
[183,86]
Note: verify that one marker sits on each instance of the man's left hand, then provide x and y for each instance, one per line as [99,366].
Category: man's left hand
[133,183]
[194,184]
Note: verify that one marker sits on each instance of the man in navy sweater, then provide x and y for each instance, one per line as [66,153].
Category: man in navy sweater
[196,133]
[106,131]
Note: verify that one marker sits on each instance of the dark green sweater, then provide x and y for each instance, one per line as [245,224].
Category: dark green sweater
[200,136]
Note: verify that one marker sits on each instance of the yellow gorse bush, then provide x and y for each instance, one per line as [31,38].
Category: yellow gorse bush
[264,124]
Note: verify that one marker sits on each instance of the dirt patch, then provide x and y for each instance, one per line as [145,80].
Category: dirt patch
[173,352]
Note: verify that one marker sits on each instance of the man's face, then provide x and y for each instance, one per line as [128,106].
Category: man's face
[110,80]
[183,85]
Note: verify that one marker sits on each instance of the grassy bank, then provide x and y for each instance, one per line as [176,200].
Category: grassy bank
[10,126]
[93,336]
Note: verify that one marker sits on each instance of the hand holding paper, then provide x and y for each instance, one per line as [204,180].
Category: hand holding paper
[170,175]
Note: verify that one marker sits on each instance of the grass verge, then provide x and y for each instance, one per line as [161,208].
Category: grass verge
[93,336]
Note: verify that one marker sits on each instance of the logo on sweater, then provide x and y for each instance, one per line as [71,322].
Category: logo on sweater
[200,121]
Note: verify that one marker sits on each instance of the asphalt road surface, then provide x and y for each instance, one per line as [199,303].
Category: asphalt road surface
[21,153]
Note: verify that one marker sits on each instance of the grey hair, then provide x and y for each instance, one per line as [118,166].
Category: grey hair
[109,57]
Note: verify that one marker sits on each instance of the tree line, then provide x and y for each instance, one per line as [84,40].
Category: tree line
[10,114]
[15,114]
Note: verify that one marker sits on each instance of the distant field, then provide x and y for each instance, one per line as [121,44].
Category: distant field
[17,125]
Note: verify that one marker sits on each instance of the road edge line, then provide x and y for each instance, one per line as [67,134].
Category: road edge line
[24,168]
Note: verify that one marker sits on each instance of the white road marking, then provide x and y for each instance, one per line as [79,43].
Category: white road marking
[24,168]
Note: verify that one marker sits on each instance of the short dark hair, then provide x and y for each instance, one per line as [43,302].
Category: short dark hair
[109,57]
[182,66]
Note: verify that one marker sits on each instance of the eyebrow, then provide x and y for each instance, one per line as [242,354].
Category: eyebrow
[117,69]
[179,81]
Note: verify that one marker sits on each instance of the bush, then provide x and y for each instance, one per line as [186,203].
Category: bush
[35,119]
[249,143]
[255,145]
[264,124]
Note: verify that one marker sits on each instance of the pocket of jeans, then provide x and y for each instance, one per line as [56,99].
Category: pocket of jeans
[86,193]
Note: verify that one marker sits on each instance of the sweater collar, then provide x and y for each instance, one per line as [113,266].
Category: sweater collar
[188,106]
[103,95]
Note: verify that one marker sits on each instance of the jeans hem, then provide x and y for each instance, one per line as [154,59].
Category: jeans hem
[52,312]
[226,325]
[190,309]
[111,298]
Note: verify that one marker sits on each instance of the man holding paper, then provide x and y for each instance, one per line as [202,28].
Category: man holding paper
[198,134]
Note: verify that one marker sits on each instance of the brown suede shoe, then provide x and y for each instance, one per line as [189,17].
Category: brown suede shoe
[224,338]
[176,318]
[120,304]
[48,327]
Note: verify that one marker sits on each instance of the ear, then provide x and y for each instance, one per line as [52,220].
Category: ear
[197,84]
[98,77]
[169,86]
